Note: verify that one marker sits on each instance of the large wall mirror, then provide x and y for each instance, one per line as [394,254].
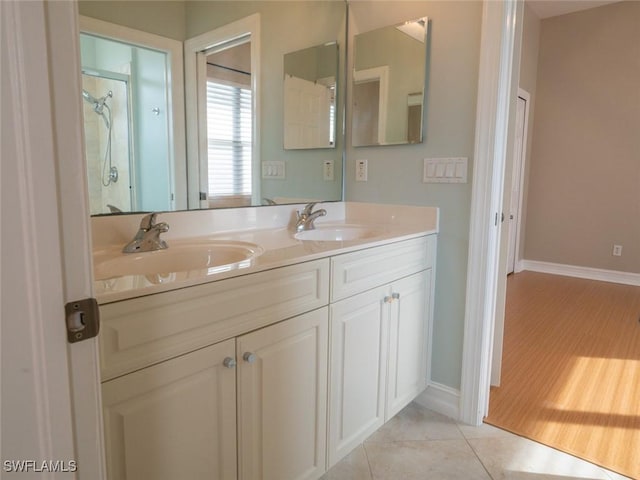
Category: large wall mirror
[137,130]
[389,84]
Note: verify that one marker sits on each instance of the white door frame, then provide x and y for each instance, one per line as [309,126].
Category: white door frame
[500,46]
[510,252]
[50,389]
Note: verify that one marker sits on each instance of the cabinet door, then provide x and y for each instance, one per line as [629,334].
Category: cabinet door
[358,368]
[282,392]
[173,420]
[408,341]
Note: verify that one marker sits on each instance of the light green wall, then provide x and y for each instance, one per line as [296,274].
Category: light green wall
[160,17]
[313,63]
[395,172]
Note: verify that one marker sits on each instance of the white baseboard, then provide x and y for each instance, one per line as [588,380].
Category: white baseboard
[602,275]
[441,399]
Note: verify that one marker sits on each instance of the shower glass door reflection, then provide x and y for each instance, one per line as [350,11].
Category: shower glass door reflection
[127,118]
[107,130]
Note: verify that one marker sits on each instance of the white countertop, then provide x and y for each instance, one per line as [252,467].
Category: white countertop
[392,223]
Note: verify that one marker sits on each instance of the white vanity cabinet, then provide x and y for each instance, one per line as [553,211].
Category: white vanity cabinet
[379,337]
[273,375]
[179,419]
[219,381]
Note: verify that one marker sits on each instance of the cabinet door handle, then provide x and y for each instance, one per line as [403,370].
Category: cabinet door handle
[394,296]
[229,362]
[249,357]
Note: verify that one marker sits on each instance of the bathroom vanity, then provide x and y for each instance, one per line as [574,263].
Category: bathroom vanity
[273,369]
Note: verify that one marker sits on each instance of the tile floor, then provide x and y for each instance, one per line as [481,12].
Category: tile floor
[421,444]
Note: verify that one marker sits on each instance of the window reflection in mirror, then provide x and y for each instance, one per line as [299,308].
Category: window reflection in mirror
[229,125]
[388,84]
[310,97]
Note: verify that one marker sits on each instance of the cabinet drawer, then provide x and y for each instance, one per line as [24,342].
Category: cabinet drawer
[355,272]
[143,331]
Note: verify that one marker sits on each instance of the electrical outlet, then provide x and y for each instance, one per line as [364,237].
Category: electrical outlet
[361,171]
[617,251]
[327,170]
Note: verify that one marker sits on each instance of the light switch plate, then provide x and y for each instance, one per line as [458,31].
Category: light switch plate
[445,170]
[273,169]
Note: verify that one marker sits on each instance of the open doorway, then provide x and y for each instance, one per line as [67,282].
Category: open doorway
[557,327]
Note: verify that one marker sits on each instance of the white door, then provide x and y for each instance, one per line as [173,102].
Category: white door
[519,151]
[282,399]
[46,251]
[358,371]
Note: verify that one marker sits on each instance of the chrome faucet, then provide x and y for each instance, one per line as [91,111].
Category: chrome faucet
[148,237]
[306,218]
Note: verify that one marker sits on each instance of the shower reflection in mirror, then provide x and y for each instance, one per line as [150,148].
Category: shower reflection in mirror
[99,106]
[125,93]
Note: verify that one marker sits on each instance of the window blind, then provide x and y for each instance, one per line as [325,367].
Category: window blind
[229,139]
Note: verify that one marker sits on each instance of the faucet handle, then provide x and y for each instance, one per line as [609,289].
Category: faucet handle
[308,208]
[148,221]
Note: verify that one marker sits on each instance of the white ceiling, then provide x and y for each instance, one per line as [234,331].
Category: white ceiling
[552,8]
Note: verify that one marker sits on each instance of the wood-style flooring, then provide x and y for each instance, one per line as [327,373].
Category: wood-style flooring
[571,368]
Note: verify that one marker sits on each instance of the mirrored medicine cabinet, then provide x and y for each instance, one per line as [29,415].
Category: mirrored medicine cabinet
[388,84]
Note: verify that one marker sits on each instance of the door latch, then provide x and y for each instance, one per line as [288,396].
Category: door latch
[83,319]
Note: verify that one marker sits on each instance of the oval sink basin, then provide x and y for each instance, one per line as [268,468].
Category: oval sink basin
[337,233]
[179,257]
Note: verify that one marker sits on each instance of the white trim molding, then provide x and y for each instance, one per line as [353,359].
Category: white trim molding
[612,276]
[495,89]
[441,399]
[49,414]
